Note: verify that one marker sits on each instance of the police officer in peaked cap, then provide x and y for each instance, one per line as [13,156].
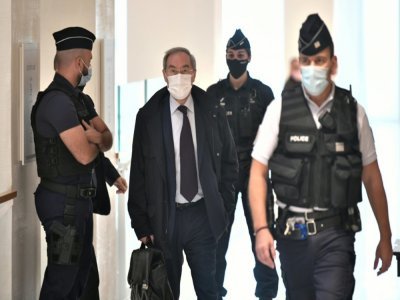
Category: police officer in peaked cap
[245,100]
[68,135]
[318,145]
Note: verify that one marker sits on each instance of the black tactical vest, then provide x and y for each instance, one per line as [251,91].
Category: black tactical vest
[317,167]
[52,156]
[244,112]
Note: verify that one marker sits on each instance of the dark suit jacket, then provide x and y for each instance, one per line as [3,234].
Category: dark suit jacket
[151,202]
[105,172]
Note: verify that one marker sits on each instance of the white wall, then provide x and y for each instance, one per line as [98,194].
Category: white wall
[5,152]
[26,238]
[56,15]
[155,26]
[295,14]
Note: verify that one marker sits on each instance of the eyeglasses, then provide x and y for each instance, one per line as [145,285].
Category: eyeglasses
[175,71]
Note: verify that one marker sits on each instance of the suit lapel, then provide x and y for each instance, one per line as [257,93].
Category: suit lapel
[168,147]
[169,167]
[200,130]
[155,129]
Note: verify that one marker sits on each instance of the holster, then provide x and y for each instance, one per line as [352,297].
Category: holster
[270,208]
[64,244]
[353,219]
[281,223]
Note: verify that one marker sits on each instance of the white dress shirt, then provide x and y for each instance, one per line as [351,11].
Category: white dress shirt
[177,121]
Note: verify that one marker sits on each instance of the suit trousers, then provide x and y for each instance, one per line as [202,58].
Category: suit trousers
[65,282]
[266,278]
[320,267]
[193,235]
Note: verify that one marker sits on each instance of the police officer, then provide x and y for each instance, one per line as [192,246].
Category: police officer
[318,145]
[68,136]
[245,101]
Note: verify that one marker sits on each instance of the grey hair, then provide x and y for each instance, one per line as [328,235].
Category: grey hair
[176,50]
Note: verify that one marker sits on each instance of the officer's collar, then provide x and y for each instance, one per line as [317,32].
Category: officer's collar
[326,101]
[245,86]
[62,81]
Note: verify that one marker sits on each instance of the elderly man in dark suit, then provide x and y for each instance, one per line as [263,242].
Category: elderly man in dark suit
[183,169]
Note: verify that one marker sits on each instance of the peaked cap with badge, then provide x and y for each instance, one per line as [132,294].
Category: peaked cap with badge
[74,38]
[314,36]
[238,41]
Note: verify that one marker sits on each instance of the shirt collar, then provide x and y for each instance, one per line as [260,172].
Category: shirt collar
[327,100]
[62,81]
[246,85]
[173,104]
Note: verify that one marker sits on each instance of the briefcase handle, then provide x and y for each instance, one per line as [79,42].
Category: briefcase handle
[148,243]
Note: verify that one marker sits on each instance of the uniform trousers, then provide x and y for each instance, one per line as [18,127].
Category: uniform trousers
[267,279]
[320,267]
[91,291]
[193,235]
[65,281]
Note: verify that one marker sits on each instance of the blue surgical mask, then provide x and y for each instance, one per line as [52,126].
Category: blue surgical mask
[314,79]
[85,78]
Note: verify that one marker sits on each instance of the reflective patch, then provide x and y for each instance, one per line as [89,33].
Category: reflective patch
[229,113]
[299,139]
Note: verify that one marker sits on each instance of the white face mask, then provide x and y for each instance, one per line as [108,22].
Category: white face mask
[180,85]
[314,79]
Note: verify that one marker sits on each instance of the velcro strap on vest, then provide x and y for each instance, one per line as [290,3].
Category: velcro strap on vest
[244,155]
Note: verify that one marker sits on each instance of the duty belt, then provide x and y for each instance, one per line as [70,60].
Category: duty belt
[72,193]
[300,225]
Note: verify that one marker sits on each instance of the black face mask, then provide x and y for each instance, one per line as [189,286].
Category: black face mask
[237,67]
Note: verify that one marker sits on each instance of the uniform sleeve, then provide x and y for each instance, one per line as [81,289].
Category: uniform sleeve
[56,114]
[210,89]
[365,136]
[267,135]
[266,96]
